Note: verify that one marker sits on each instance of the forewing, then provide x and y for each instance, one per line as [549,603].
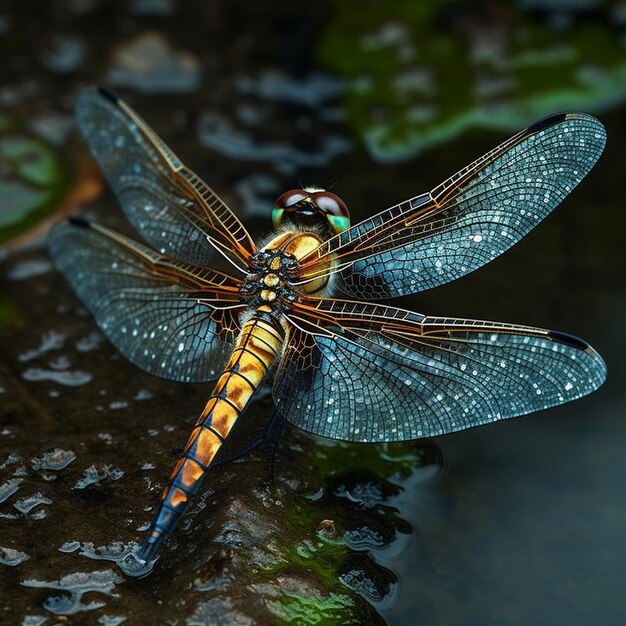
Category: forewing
[364,372]
[171,319]
[169,206]
[469,219]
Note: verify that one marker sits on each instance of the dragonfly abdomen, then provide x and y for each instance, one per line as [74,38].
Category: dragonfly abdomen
[257,347]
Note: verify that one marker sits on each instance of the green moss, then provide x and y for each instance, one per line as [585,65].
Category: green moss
[323,553]
[322,559]
[333,610]
[419,73]
[8,313]
[392,461]
[32,183]
[312,551]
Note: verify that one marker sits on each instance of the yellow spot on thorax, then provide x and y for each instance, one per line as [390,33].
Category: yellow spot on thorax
[299,245]
[271,280]
[275,264]
[293,242]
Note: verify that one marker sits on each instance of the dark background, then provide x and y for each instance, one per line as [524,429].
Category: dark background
[526,524]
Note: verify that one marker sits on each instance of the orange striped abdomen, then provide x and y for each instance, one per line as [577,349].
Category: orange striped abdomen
[257,347]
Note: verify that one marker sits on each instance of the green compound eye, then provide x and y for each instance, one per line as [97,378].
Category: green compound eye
[334,208]
[339,223]
[277,216]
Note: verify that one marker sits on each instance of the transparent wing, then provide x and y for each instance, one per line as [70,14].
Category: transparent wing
[169,206]
[469,219]
[364,372]
[171,319]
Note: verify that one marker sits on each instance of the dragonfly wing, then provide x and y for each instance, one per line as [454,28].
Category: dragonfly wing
[365,372]
[173,320]
[469,219]
[169,206]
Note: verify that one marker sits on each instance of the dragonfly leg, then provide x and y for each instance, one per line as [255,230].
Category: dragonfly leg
[267,429]
[278,433]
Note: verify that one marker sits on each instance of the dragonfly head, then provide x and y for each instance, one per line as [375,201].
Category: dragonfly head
[311,207]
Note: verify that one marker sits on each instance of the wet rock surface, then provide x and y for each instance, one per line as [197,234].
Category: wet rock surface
[86,460]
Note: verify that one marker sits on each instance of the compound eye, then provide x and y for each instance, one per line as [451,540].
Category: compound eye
[330,204]
[334,208]
[289,198]
[277,217]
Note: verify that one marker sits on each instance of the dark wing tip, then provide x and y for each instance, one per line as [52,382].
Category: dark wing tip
[569,340]
[108,94]
[558,118]
[546,122]
[77,220]
[90,99]
[579,344]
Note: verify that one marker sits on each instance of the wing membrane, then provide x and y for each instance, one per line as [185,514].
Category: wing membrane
[172,319]
[469,219]
[169,205]
[365,372]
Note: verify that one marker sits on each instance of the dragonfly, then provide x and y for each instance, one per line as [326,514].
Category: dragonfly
[301,307]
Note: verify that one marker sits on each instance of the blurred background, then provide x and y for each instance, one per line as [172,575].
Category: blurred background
[516,523]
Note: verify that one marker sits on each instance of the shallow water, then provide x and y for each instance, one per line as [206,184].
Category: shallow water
[524,526]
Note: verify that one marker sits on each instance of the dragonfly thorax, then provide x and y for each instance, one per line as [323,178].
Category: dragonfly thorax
[269,277]
[298,244]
